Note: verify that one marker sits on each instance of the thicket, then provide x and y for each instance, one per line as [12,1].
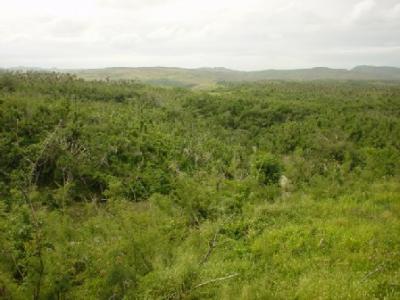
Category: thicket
[270,190]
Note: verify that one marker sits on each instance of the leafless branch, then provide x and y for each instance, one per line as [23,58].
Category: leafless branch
[376,270]
[216,280]
[212,244]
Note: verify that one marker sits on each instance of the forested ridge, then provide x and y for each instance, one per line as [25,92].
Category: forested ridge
[263,190]
[205,78]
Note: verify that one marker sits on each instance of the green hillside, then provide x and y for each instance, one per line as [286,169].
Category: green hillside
[267,190]
[209,77]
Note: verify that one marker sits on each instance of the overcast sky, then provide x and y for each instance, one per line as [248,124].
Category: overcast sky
[246,35]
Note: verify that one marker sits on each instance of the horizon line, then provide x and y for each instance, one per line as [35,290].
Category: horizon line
[195,68]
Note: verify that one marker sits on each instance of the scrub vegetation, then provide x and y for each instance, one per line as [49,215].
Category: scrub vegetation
[263,190]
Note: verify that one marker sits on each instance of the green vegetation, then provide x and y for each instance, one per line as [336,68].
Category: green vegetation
[275,190]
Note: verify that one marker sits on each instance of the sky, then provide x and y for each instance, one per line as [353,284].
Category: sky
[243,35]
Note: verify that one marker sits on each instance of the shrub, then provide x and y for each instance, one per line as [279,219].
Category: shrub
[267,168]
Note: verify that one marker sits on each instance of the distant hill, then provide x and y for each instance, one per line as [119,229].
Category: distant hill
[208,77]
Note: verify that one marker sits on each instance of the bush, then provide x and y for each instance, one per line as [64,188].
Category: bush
[267,168]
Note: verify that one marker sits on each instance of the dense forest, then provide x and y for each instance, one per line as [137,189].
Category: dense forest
[264,190]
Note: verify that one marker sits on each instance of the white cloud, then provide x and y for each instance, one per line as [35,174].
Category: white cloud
[130,4]
[362,8]
[251,34]
[67,28]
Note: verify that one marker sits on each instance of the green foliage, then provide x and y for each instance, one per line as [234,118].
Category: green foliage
[267,168]
[274,190]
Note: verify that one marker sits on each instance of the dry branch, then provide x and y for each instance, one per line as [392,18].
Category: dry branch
[216,280]
[376,270]
[212,244]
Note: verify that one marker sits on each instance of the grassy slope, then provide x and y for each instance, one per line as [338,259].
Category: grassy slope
[300,247]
